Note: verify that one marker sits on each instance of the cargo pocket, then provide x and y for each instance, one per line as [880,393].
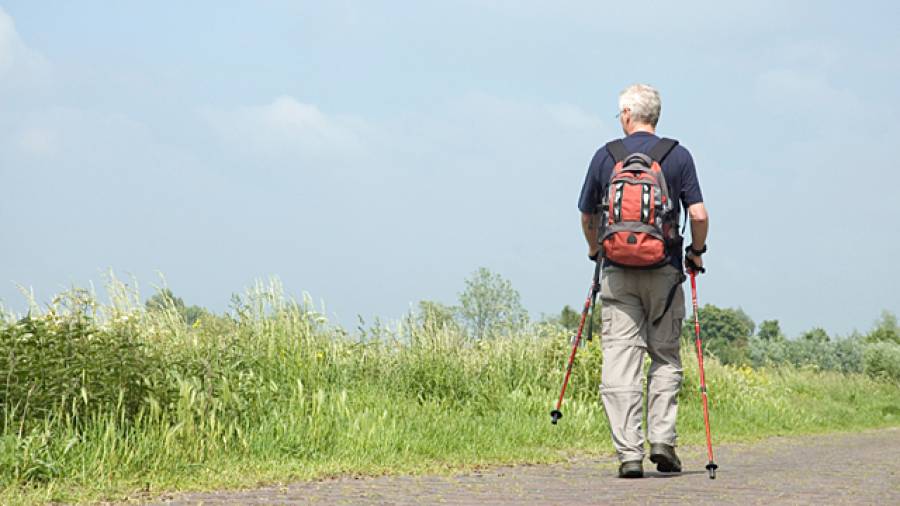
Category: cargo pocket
[665,333]
[677,310]
[617,326]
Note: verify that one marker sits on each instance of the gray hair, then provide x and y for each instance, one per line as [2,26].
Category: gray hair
[643,102]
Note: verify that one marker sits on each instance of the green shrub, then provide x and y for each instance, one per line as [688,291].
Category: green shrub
[66,364]
[843,355]
[882,360]
[725,332]
[886,329]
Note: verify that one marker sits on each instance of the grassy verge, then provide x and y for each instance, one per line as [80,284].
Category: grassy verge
[109,402]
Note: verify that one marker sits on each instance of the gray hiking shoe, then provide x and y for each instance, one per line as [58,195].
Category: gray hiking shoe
[631,469]
[664,457]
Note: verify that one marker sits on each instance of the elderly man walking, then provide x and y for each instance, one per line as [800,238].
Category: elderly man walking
[630,205]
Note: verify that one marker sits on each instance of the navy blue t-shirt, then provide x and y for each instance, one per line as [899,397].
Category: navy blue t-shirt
[678,169]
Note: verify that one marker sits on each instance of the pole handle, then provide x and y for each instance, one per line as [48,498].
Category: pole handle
[692,267]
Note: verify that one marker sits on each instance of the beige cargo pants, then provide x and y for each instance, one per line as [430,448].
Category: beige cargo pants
[632,300]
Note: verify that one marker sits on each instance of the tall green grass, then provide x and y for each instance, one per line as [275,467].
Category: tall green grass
[104,401]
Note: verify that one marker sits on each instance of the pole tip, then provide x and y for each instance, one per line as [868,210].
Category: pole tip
[555,415]
[711,468]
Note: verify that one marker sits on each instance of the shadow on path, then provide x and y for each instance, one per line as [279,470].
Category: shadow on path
[656,474]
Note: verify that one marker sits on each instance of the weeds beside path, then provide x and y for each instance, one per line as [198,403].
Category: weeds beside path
[857,468]
[101,402]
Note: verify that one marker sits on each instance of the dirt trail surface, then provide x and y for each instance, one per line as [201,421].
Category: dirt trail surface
[859,468]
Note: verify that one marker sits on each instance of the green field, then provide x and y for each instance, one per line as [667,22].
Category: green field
[114,400]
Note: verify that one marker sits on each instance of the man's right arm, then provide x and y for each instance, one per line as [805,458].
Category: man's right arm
[699,230]
[589,225]
[588,202]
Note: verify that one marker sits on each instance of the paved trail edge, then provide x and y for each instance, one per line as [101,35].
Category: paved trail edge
[854,468]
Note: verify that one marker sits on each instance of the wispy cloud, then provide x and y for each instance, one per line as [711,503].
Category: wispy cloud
[19,64]
[288,127]
[37,141]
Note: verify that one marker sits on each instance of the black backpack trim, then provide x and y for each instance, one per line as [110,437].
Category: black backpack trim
[662,149]
[617,150]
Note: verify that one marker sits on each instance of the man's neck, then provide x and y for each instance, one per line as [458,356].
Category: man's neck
[641,128]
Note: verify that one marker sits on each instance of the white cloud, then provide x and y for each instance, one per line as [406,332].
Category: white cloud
[499,132]
[92,144]
[288,127]
[476,132]
[19,64]
[38,141]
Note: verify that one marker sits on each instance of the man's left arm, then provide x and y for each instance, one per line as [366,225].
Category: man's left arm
[692,200]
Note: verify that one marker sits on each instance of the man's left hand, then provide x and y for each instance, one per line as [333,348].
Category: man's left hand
[694,262]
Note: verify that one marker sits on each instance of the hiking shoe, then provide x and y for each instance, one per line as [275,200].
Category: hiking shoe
[631,469]
[664,457]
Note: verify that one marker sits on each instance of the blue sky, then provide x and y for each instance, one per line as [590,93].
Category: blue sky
[374,154]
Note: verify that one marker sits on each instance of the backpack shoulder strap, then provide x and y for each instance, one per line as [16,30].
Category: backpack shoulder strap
[617,150]
[662,149]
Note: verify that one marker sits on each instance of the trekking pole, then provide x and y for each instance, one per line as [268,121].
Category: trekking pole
[711,466]
[556,414]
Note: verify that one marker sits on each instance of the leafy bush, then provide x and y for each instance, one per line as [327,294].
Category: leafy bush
[882,360]
[725,332]
[877,353]
[62,362]
[770,330]
[844,355]
[490,306]
[886,330]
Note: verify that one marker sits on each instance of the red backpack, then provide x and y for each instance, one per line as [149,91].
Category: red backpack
[639,225]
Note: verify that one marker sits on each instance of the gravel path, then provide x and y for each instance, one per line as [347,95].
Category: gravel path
[826,469]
